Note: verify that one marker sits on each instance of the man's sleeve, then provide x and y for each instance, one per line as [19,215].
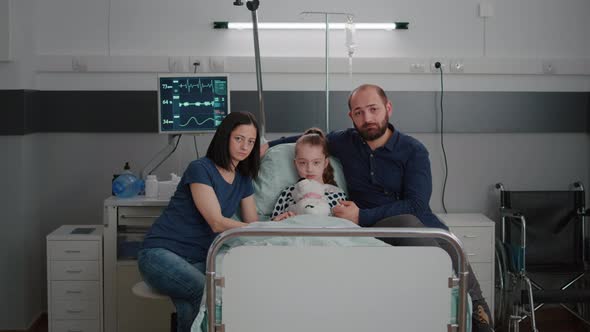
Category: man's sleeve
[283,140]
[417,188]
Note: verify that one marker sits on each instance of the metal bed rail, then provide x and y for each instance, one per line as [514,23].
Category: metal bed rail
[440,234]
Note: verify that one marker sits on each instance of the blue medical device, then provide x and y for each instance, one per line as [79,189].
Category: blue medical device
[192,103]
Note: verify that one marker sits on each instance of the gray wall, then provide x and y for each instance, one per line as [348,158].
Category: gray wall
[21,257]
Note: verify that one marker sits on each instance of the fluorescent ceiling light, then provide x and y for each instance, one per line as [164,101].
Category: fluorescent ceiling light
[310,26]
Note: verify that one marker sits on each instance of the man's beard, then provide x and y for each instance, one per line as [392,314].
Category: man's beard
[375,133]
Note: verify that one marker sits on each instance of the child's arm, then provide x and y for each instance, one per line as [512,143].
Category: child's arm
[283,202]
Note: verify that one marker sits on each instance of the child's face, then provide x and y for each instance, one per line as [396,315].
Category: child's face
[310,162]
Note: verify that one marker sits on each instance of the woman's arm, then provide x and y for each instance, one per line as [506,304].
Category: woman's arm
[209,207]
[248,206]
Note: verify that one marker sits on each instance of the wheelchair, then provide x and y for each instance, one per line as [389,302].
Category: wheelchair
[541,255]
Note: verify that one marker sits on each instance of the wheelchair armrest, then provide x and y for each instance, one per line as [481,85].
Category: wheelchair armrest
[518,218]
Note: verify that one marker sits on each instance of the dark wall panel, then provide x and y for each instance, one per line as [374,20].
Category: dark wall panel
[28,111]
[98,111]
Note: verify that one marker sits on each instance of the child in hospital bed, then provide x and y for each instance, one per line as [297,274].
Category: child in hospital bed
[312,163]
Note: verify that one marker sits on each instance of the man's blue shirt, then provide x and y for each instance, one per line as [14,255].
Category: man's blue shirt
[392,180]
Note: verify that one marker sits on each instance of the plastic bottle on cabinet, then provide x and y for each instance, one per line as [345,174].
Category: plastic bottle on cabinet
[166,188]
[151,186]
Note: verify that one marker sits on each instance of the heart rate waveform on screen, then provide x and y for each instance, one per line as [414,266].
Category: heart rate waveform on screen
[192,103]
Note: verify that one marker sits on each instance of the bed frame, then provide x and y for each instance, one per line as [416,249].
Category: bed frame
[275,288]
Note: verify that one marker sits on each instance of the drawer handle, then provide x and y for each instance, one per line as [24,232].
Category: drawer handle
[471,254]
[72,251]
[74,271]
[124,216]
[73,291]
[470,236]
[70,330]
[72,311]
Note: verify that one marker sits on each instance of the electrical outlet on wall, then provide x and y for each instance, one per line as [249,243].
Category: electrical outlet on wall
[456,66]
[548,67]
[217,64]
[176,64]
[198,64]
[433,68]
[417,67]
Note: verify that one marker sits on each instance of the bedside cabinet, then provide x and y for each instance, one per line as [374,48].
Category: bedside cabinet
[74,279]
[126,220]
[477,233]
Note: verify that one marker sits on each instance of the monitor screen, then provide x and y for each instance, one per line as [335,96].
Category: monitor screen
[192,103]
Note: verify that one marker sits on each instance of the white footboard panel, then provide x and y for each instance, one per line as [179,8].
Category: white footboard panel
[272,288]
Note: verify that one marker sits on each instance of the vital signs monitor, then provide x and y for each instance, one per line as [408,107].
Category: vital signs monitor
[192,103]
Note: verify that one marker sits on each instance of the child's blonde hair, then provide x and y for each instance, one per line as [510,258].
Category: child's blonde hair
[316,137]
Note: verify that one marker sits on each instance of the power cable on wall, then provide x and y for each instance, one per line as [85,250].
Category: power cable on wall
[442,142]
[196,147]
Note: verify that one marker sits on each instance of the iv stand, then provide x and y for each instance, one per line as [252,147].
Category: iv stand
[253,7]
[327,22]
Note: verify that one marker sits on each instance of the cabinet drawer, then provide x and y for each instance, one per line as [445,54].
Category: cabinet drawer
[140,216]
[477,242]
[73,250]
[483,271]
[74,270]
[76,326]
[75,290]
[75,309]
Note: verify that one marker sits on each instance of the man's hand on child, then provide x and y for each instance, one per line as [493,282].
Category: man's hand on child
[347,210]
[283,216]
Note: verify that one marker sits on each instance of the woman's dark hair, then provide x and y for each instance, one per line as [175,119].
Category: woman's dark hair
[316,137]
[218,150]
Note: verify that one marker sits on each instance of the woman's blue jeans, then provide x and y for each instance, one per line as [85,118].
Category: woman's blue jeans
[182,280]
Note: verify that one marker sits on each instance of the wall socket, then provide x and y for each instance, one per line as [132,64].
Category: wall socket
[203,64]
[433,68]
[456,66]
[176,64]
[417,67]
[548,67]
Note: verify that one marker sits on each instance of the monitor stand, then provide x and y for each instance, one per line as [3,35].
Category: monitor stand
[161,156]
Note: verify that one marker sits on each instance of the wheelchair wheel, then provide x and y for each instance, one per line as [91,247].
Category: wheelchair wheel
[501,287]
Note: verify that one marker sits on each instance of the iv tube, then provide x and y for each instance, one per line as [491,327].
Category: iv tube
[350,31]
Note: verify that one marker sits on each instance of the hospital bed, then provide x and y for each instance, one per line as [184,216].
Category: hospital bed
[311,273]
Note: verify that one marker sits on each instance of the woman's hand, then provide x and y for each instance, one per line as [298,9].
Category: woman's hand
[283,216]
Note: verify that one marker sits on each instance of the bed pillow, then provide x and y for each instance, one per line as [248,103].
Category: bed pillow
[277,172]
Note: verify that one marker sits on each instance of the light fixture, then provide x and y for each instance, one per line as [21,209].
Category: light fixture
[310,26]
